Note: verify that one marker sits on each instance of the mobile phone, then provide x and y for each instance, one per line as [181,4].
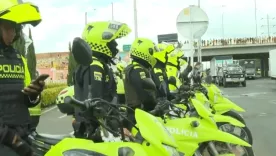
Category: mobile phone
[41,77]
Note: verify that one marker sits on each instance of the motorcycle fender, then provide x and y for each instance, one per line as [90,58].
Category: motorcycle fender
[218,135]
[189,148]
[225,107]
[200,134]
[108,148]
[222,118]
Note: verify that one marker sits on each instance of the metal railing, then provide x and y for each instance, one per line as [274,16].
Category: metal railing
[235,41]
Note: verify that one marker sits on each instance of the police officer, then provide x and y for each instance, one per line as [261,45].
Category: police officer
[101,37]
[141,52]
[120,68]
[159,74]
[120,84]
[17,92]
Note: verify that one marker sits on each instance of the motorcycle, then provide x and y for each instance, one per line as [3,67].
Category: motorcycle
[221,104]
[144,143]
[228,123]
[189,129]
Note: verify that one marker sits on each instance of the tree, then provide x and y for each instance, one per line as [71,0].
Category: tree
[72,64]
[31,58]
[19,45]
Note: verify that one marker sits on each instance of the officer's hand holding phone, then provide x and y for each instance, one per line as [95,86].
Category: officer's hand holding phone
[36,86]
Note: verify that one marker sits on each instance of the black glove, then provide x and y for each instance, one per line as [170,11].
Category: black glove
[161,106]
[11,139]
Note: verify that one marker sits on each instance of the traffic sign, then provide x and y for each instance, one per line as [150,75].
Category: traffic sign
[126,47]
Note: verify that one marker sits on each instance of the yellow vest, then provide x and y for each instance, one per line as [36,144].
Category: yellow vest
[35,111]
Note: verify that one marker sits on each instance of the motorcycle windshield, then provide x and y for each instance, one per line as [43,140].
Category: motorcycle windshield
[201,110]
[153,130]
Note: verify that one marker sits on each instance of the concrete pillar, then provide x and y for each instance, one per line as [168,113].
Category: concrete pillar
[264,66]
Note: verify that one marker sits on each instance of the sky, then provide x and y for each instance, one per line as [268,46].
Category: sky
[63,20]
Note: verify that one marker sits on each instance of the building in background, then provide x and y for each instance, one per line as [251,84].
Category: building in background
[54,64]
[125,56]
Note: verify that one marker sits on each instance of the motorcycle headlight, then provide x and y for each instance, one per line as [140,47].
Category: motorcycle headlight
[171,150]
[81,152]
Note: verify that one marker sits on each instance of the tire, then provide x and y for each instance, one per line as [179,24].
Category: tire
[235,115]
[224,83]
[244,83]
[245,129]
[203,148]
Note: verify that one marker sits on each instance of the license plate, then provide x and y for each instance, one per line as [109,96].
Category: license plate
[235,79]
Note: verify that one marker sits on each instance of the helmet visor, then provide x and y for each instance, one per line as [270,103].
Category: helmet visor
[25,13]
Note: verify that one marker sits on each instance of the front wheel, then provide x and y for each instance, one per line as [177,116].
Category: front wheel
[224,83]
[244,83]
[242,132]
[221,148]
[234,115]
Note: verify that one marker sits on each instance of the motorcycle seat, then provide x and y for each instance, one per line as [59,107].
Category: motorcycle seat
[51,139]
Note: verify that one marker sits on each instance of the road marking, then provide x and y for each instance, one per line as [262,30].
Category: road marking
[63,116]
[262,114]
[48,110]
[254,94]
[273,102]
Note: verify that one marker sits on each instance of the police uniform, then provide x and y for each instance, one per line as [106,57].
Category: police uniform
[14,76]
[136,96]
[160,79]
[103,86]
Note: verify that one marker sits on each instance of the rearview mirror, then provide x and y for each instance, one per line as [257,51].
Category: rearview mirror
[82,52]
[148,84]
[172,81]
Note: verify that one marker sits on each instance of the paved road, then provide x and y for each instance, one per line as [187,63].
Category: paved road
[258,99]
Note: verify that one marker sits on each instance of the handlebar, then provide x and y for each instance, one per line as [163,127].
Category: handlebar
[100,111]
[80,104]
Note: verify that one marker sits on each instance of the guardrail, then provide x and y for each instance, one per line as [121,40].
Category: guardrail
[235,41]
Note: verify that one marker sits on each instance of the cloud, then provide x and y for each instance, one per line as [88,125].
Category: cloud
[64,19]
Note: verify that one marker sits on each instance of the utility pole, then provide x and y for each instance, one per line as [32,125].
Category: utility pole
[268,22]
[135,19]
[199,56]
[112,13]
[85,18]
[256,22]
[222,22]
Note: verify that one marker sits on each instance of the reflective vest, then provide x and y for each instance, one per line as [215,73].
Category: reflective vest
[34,111]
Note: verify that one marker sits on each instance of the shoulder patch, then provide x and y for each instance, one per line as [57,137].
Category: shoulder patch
[98,76]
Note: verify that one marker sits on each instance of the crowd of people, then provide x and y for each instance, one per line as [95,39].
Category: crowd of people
[235,41]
